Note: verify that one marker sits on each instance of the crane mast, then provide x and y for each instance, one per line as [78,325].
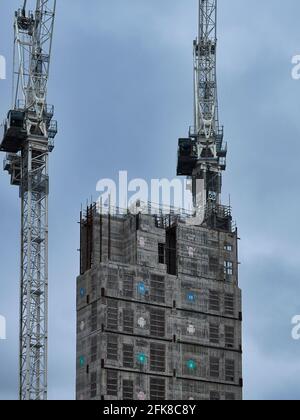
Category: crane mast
[206,106]
[202,156]
[28,137]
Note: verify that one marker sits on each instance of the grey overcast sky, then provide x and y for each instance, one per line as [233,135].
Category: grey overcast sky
[121,82]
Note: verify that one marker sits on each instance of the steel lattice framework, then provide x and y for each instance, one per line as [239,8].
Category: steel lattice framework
[27,162]
[34,272]
[206,99]
[208,135]
[202,156]
[32,53]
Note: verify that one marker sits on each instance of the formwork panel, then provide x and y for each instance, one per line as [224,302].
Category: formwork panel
[125,317]
[196,294]
[120,281]
[206,330]
[141,387]
[202,391]
[141,320]
[209,364]
[203,253]
[137,354]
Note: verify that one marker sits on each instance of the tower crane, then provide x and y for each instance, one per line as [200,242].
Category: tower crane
[27,140]
[202,156]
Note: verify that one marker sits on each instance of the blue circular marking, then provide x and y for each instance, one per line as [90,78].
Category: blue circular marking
[191,297]
[142,358]
[191,364]
[141,288]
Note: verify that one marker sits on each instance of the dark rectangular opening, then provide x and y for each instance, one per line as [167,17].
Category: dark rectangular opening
[161,253]
[171,251]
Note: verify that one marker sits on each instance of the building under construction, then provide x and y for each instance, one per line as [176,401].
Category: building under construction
[158,303]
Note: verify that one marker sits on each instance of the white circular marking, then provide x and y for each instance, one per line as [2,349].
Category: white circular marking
[191,251]
[191,329]
[142,322]
[141,396]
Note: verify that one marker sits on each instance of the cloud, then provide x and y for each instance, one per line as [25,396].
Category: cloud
[121,81]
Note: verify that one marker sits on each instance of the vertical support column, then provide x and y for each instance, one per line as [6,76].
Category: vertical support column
[109,231]
[22,289]
[34,271]
[46,280]
[80,249]
[101,230]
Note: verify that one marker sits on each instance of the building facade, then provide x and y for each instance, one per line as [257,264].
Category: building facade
[159,310]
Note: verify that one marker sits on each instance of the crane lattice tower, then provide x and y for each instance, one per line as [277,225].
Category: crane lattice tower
[29,132]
